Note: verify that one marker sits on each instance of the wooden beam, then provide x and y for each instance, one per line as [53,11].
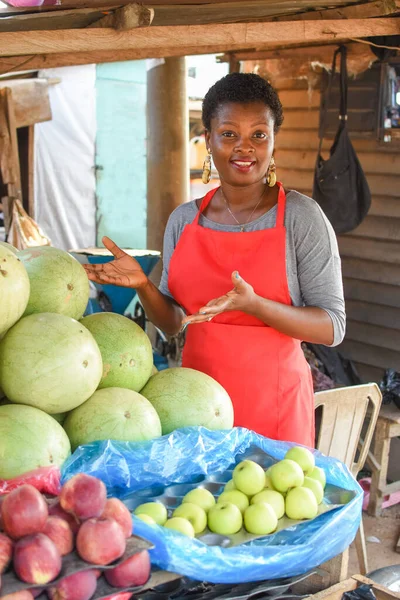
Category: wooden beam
[70,59]
[302,53]
[357,11]
[62,19]
[238,36]
[52,5]
[198,14]
[127,17]
[31,102]
[233,12]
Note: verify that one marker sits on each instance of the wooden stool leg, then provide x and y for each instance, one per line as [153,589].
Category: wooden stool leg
[361,549]
[378,479]
[329,573]
[337,567]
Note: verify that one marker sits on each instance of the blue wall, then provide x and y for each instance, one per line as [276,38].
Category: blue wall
[121,153]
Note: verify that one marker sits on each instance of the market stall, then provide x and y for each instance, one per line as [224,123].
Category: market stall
[116,397]
[82,402]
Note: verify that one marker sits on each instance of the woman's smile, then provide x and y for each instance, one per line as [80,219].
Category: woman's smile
[244,166]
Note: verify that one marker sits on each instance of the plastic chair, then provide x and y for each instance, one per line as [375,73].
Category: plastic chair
[342,424]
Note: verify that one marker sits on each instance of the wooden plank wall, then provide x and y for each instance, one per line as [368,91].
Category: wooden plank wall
[371,253]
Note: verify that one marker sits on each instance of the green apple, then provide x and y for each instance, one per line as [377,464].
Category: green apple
[181,525]
[230,486]
[286,474]
[155,510]
[225,518]
[146,519]
[302,456]
[260,519]
[235,497]
[318,474]
[201,497]
[301,504]
[249,477]
[272,497]
[315,487]
[268,483]
[194,514]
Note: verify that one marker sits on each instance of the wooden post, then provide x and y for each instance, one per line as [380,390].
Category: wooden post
[234,64]
[9,158]
[167,146]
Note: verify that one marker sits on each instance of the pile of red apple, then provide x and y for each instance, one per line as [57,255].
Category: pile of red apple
[35,536]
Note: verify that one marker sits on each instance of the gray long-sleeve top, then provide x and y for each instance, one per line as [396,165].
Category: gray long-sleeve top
[312,257]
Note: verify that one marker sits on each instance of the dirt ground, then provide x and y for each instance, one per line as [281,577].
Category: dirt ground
[380,553]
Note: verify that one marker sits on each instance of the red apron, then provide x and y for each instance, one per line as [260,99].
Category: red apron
[264,371]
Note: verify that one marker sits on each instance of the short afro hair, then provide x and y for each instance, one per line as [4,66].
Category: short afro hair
[241,88]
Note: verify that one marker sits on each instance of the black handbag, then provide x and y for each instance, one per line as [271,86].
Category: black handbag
[340,186]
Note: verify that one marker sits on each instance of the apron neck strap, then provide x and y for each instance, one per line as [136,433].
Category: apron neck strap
[280,217]
[205,202]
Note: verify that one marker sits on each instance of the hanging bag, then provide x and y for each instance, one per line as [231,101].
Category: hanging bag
[340,186]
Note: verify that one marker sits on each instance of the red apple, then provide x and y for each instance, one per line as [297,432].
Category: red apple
[24,512]
[120,596]
[55,510]
[133,571]
[1,518]
[36,559]
[97,572]
[6,549]
[100,541]
[21,595]
[60,533]
[79,586]
[115,509]
[36,591]
[83,496]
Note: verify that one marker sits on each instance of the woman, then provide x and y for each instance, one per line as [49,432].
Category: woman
[255,269]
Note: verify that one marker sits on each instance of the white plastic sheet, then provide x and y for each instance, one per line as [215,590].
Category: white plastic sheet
[65,185]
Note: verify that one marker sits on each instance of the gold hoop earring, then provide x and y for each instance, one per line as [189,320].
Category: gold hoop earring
[271,175]
[206,176]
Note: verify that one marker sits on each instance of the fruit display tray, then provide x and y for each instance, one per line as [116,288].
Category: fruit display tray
[188,589]
[72,563]
[171,496]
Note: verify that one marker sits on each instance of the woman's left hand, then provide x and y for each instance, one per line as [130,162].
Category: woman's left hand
[240,298]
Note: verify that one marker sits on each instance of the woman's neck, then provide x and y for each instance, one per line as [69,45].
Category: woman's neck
[242,197]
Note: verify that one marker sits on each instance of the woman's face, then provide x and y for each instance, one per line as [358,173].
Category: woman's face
[241,141]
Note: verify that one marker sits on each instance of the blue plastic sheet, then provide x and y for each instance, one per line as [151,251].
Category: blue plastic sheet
[190,454]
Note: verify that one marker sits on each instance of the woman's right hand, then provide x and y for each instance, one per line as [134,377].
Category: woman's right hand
[124,271]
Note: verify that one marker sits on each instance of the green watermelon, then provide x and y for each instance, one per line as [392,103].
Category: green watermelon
[50,362]
[14,289]
[184,397]
[59,283]
[113,413]
[60,417]
[125,349]
[9,247]
[29,439]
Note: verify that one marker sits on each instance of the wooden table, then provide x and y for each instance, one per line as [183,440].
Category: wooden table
[387,427]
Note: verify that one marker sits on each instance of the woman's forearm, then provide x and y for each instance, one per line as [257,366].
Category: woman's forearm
[162,311]
[306,323]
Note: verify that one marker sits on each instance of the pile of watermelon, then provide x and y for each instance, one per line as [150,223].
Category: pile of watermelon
[68,380]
